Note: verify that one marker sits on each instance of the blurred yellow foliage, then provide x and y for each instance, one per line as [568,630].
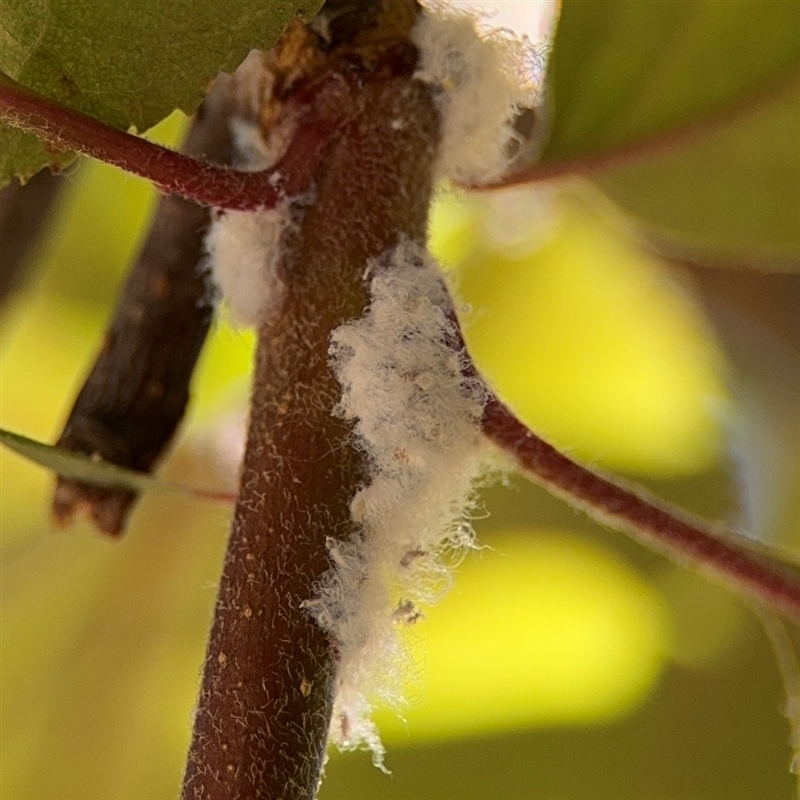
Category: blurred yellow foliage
[587,338]
[541,628]
[593,342]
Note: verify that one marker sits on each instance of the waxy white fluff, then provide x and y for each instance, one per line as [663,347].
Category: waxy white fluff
[417,417]
[417,420]
[483,82]
[244,246]
[484,77]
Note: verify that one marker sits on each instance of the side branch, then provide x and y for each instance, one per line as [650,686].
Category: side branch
[173,173]
[137,390]
[686,542]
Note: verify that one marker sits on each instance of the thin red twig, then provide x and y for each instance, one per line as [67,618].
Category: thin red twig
[612,505]
[173,173]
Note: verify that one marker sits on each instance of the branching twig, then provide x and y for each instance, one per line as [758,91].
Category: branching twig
[269,676]
[623,509]
[66,129]
[136,393]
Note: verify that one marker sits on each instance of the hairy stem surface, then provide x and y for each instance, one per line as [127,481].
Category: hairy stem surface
[269,678]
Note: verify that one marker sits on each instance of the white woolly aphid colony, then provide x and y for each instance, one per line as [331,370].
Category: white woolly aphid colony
[243,246]
[416,415]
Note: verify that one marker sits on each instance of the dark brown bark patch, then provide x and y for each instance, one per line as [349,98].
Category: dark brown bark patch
[136,392]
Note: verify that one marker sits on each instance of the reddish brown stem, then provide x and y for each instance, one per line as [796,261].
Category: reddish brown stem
[269,678]
[173,173]
[620,508]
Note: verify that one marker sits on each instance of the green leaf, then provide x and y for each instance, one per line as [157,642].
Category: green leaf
[131,64]
[77,466]
[625,73]
[732,194]
[83,468]
[22,155]
[688,116]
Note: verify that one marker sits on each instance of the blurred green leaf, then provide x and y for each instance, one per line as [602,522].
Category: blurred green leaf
[22,155]
[80,467]
[757,321]
[784,640]
[610,361]
[717,83]
[130,65]
[583,640]
[625,72]
[101,647]
[732,193]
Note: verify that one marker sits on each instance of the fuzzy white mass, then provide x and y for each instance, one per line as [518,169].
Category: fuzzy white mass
[481,80]
[244,246]
[243,249]
[417,420]
[484,81]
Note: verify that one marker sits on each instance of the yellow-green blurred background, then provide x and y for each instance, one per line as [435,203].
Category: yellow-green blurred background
[567,663]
